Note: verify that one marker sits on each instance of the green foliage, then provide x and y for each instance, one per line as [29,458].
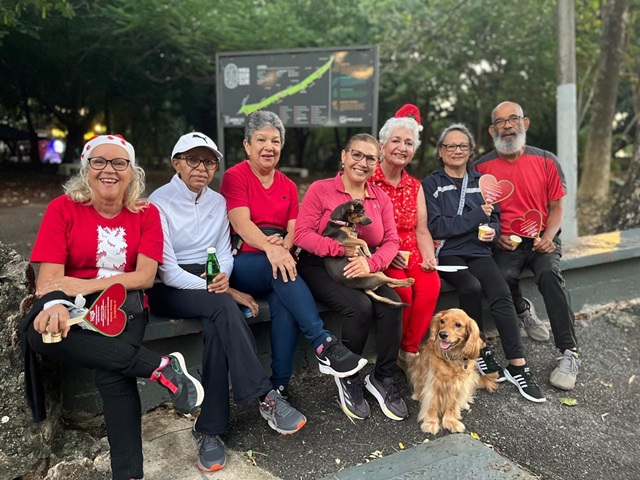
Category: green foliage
[147,67]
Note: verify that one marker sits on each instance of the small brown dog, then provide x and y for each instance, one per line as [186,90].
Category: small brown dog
[444,376]
[342,227]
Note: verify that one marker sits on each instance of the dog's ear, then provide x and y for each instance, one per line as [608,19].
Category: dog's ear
[474,343]
[435,325]
[339,212]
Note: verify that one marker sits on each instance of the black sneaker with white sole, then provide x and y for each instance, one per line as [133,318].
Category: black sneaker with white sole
[523,379]
[337,360]
[351,397]
[486,365]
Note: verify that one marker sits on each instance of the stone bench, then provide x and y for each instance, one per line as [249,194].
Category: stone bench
[589,252]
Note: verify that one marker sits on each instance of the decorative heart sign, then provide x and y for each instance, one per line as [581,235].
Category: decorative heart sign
[105,315]
[528,226]
[494,191]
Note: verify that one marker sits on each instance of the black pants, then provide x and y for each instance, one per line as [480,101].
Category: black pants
[229,350]
[117,362]
[484,277]
[358,312]
[546,268]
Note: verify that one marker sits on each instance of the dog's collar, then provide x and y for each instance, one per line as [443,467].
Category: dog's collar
[343,223]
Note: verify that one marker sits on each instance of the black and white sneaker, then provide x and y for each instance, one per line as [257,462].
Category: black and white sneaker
[186,392]
[522,378]
[486,365]
[351,397]
[337,360]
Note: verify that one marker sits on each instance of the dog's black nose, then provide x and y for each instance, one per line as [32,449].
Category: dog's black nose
[443,335]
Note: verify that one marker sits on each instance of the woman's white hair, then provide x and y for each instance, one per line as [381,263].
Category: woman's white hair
[395,123]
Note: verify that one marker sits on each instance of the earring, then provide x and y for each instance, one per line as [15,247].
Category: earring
[341,166]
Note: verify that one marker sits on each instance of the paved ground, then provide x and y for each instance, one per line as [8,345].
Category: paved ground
[596,439]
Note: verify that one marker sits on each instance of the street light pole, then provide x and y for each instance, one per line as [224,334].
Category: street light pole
[567,112]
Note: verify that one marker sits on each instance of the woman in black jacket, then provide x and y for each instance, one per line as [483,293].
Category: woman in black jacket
[456,210]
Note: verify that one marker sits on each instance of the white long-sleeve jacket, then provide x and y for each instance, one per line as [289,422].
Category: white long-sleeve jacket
[189,228]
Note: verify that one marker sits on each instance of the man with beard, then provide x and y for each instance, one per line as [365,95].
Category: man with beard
[538,184]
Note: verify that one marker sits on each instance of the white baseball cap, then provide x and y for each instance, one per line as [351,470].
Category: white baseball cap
[193,140]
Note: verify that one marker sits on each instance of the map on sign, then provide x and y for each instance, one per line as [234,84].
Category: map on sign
[305,88]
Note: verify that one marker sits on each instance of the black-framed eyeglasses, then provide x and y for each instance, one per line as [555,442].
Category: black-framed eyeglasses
[357,155]
[100,163]
[194,162]
[514,120]
[451,147]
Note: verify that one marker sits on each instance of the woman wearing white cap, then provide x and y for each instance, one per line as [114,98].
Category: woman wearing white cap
[97,234]
[194,217]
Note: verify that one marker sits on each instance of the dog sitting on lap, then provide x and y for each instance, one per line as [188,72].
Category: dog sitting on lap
[342,228]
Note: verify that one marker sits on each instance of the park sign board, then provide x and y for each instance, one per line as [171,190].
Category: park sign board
[328,87]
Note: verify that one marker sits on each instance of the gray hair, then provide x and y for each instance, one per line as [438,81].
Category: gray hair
[395,123]
[456,127]
[78,189]
[260,120]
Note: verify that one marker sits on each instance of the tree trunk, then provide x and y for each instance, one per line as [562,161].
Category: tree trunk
[593,190]
[626,213]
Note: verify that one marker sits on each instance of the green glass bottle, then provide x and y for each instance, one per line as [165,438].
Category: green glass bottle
[212,267]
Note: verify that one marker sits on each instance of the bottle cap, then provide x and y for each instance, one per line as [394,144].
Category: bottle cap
[211,250]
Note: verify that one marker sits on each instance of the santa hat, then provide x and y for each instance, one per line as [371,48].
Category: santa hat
[107,139]
[410,111]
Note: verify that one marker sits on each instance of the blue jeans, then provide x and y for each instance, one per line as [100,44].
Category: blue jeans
[291,305]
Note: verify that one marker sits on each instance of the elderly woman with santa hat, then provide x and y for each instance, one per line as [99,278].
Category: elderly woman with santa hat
[97,234]
[399,140]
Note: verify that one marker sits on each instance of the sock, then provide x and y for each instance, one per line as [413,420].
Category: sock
[517,368]
[262,397]
[320,348]
[164,362]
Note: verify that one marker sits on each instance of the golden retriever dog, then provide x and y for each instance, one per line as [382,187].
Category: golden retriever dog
[443,376]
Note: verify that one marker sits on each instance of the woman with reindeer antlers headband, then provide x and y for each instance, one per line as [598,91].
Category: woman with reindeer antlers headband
[358,160]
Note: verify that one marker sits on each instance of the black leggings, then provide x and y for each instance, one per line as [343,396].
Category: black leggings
[358,312]
[117,362]
[484,278]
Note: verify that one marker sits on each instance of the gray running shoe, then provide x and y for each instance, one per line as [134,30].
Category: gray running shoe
[565,374]
[282,417]
[186,392]
[532,324]
[388,396]
[211,454]
[351,398]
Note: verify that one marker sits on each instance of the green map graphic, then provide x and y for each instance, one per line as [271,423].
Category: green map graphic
[293,89]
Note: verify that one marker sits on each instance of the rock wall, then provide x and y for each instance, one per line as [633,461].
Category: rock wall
[24,446]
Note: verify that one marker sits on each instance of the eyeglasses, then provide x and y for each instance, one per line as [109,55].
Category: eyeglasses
[357,155]
[194,162]
[514,120]
[99,163]
[451,147]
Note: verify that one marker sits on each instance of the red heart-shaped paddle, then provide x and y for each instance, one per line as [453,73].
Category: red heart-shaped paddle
[494,191]
[528,226]
[105,314]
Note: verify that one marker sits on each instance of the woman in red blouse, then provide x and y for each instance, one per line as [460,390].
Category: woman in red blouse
[399,141]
